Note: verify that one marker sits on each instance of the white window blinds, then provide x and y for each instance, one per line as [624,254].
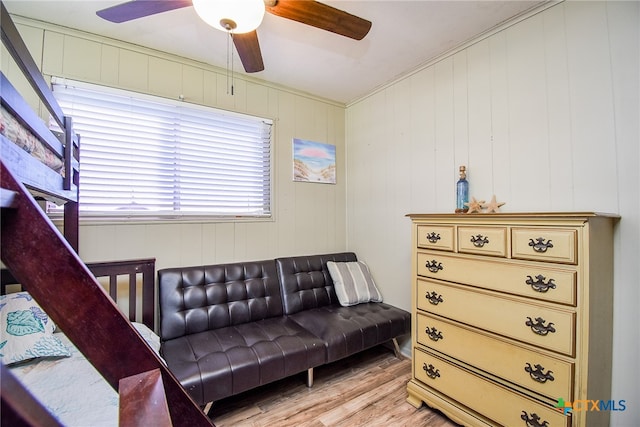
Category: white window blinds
[149,156]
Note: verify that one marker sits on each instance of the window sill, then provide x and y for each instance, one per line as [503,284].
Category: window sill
[58,220]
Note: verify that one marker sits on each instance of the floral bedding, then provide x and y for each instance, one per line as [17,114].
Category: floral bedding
[26,331]
[72,389]
[14,131]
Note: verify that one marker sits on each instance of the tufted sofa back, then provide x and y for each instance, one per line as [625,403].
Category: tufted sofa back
[306,282]
[196,299]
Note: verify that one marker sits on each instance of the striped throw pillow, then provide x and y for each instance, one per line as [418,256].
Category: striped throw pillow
[353,283]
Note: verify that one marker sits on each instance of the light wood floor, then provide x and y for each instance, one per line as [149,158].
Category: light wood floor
[368,389]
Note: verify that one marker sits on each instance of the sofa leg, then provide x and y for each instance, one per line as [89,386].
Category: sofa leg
[310,377]
[207,408]
[396,348]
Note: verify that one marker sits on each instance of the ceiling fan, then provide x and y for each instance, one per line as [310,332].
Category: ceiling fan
[308,12]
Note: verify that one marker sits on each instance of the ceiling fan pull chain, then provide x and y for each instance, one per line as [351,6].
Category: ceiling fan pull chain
[229,40]
[230,63]
[232,49]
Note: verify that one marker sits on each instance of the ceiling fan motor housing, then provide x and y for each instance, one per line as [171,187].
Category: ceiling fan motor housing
[235,16]
[228,24]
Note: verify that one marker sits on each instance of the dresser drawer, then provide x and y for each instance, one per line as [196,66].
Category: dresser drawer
[483,240]
[482,395]
[544,244]
[536,324]
[435,237]
[538,372]
[555,284]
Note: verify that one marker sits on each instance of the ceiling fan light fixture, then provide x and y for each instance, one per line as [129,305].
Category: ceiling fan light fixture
[234,16]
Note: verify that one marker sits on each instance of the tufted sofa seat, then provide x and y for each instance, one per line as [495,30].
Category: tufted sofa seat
[223,330]
[228,328]
[310,300]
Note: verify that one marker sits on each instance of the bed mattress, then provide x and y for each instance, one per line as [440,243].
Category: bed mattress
[72,389]
[11,129]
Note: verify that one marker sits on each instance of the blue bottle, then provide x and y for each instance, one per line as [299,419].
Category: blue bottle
[462,191]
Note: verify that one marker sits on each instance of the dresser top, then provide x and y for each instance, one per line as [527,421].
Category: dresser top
[511,215]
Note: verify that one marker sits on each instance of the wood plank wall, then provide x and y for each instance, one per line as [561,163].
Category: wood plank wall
[544,113]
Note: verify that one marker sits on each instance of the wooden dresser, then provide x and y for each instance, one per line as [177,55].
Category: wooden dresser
[512,314]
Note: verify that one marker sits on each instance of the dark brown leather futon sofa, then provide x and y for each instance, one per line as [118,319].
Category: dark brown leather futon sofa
[229,328]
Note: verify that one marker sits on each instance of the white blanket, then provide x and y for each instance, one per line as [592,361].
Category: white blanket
[72,389]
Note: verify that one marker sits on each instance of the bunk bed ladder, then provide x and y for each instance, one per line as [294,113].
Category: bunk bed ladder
[47,266]
[71,182]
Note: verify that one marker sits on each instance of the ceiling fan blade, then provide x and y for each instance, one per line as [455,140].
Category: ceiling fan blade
[249,51]
[321,16]
[135,9]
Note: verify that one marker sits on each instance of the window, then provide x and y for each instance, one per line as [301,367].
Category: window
[143,156]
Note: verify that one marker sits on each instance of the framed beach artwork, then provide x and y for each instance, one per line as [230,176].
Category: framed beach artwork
[314,162]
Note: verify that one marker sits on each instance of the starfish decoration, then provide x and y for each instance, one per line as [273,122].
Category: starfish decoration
[474,205]
[493,205]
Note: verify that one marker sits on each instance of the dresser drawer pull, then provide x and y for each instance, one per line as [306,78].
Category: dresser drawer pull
[434,298]
[433,266]
[431,371]
[538,373]
[479,240]
[433,333]
[533,420]
[538,284]
[433,237]
[539,245]
[538,326]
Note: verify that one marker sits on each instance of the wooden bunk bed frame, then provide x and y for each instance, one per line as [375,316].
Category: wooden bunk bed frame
[114,270]
[13,391]
[43,181]
[48,267]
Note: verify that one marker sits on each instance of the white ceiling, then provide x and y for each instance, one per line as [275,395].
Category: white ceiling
[404,35]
